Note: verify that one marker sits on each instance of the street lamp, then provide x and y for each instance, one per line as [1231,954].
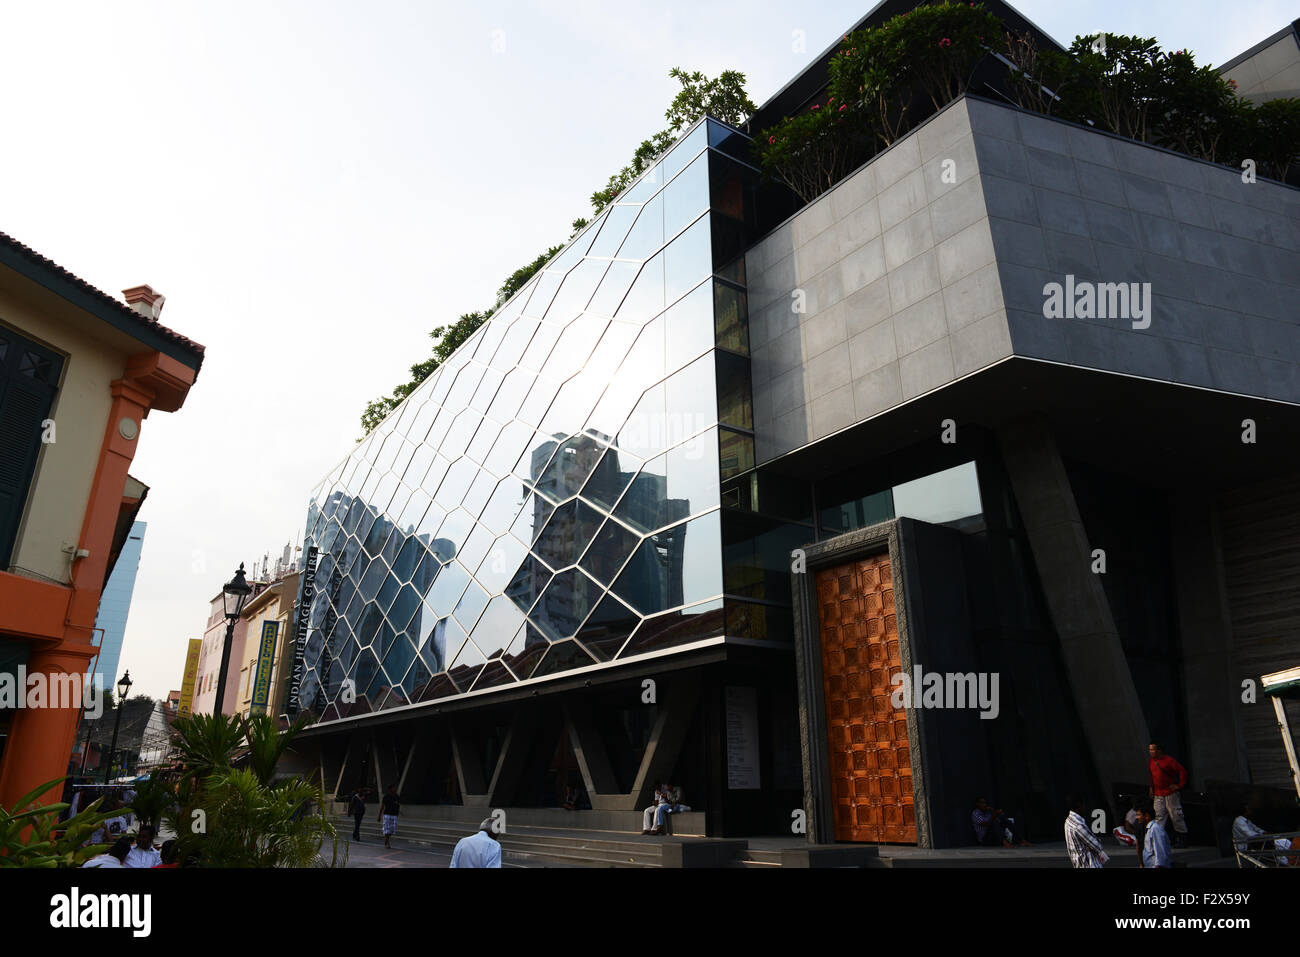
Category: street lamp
[234,594]
[123,687]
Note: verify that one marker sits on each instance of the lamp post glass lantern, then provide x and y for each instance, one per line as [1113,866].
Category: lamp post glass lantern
[234,595]
[123,688]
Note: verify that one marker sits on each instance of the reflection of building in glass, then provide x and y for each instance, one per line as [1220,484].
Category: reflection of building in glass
[652,522]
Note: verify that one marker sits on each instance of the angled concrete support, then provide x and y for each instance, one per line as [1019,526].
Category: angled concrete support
[418,765]
[593,759]
[514,755]
[1104,693]
[469,768]
[386,770]
[671,725]
[352,767]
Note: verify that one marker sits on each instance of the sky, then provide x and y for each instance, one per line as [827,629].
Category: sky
[314,186]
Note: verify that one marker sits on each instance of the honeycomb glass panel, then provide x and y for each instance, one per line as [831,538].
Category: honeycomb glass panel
[675,566]
[567,534]
[579,399]
[564,604]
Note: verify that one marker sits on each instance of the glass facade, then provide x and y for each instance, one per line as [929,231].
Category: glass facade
[549,499]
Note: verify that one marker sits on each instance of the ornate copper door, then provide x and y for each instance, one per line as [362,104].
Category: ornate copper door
[870,765]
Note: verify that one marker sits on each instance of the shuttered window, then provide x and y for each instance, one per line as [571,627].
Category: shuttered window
[29,377]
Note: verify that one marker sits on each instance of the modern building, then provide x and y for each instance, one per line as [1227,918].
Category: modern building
[79,372]
[695,501]
[115,606]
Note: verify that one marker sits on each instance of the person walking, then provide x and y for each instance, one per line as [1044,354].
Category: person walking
[1168,778]
[1080,843]
[388,810]
[357,808]
[480,849]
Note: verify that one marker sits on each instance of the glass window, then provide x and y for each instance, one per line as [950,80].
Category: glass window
[731,313]
[617,223]
[476,546]
[563,656]
[686,197]
[487,389]
[613,288]
[687,261]
[576,291]
[607,629]
[570,465]
[566,602]
[705,620]
[645,299]
[693,484]
[609,550]
[689,327]
[644,431]
[453,532]
[532,517]
[676,566]
[500,564]
[685,151]
[447,588]
[690,401]
[645,187]
[470,606]
[516,340]
[736,453]
[527,583]
[526,650]
[945,496]
[647,234]
[482,443]
[510,395]
[543,292]
[570,529]
[504,504]
[610,477]
[734,391]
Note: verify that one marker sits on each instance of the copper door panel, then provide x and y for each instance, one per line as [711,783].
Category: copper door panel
[870,764]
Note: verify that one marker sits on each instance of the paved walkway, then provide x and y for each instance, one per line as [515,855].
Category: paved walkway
[402,854]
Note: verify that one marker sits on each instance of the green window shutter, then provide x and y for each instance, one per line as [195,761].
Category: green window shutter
[29,376]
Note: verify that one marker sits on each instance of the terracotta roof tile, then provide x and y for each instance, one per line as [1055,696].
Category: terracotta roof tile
[113,302]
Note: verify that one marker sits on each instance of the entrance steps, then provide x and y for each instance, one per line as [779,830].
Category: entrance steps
[559,838]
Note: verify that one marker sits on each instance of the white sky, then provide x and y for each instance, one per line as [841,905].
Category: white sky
[316,185]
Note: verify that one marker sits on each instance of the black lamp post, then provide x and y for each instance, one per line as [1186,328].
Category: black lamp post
[123,687]
[234,595]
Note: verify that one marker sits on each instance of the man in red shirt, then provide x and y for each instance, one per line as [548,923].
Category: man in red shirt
[1168,778]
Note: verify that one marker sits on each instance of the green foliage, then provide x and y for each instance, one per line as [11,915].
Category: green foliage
[206,743]
[1272,136]
[252,824]
[812,151]
[154,796]
[519,278]
[266,743]
[723,97]
[242,817]
[31,836]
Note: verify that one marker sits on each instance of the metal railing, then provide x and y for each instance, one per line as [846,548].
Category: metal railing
[1263,851]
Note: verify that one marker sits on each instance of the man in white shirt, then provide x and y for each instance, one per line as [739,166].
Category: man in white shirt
[481,849]
[143,853]
[1080,843]
[113,857]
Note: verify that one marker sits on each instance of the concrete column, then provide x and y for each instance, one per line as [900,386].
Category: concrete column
[666,738]
[469,768]
[1104,693]
[1213,732]
[513,757]
[593,760]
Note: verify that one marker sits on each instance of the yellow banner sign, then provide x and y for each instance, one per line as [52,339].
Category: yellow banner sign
[191,677]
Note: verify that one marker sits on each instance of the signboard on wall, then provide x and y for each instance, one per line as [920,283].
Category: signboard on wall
[190,679]
[742,739]
[265,664]
[302,618]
